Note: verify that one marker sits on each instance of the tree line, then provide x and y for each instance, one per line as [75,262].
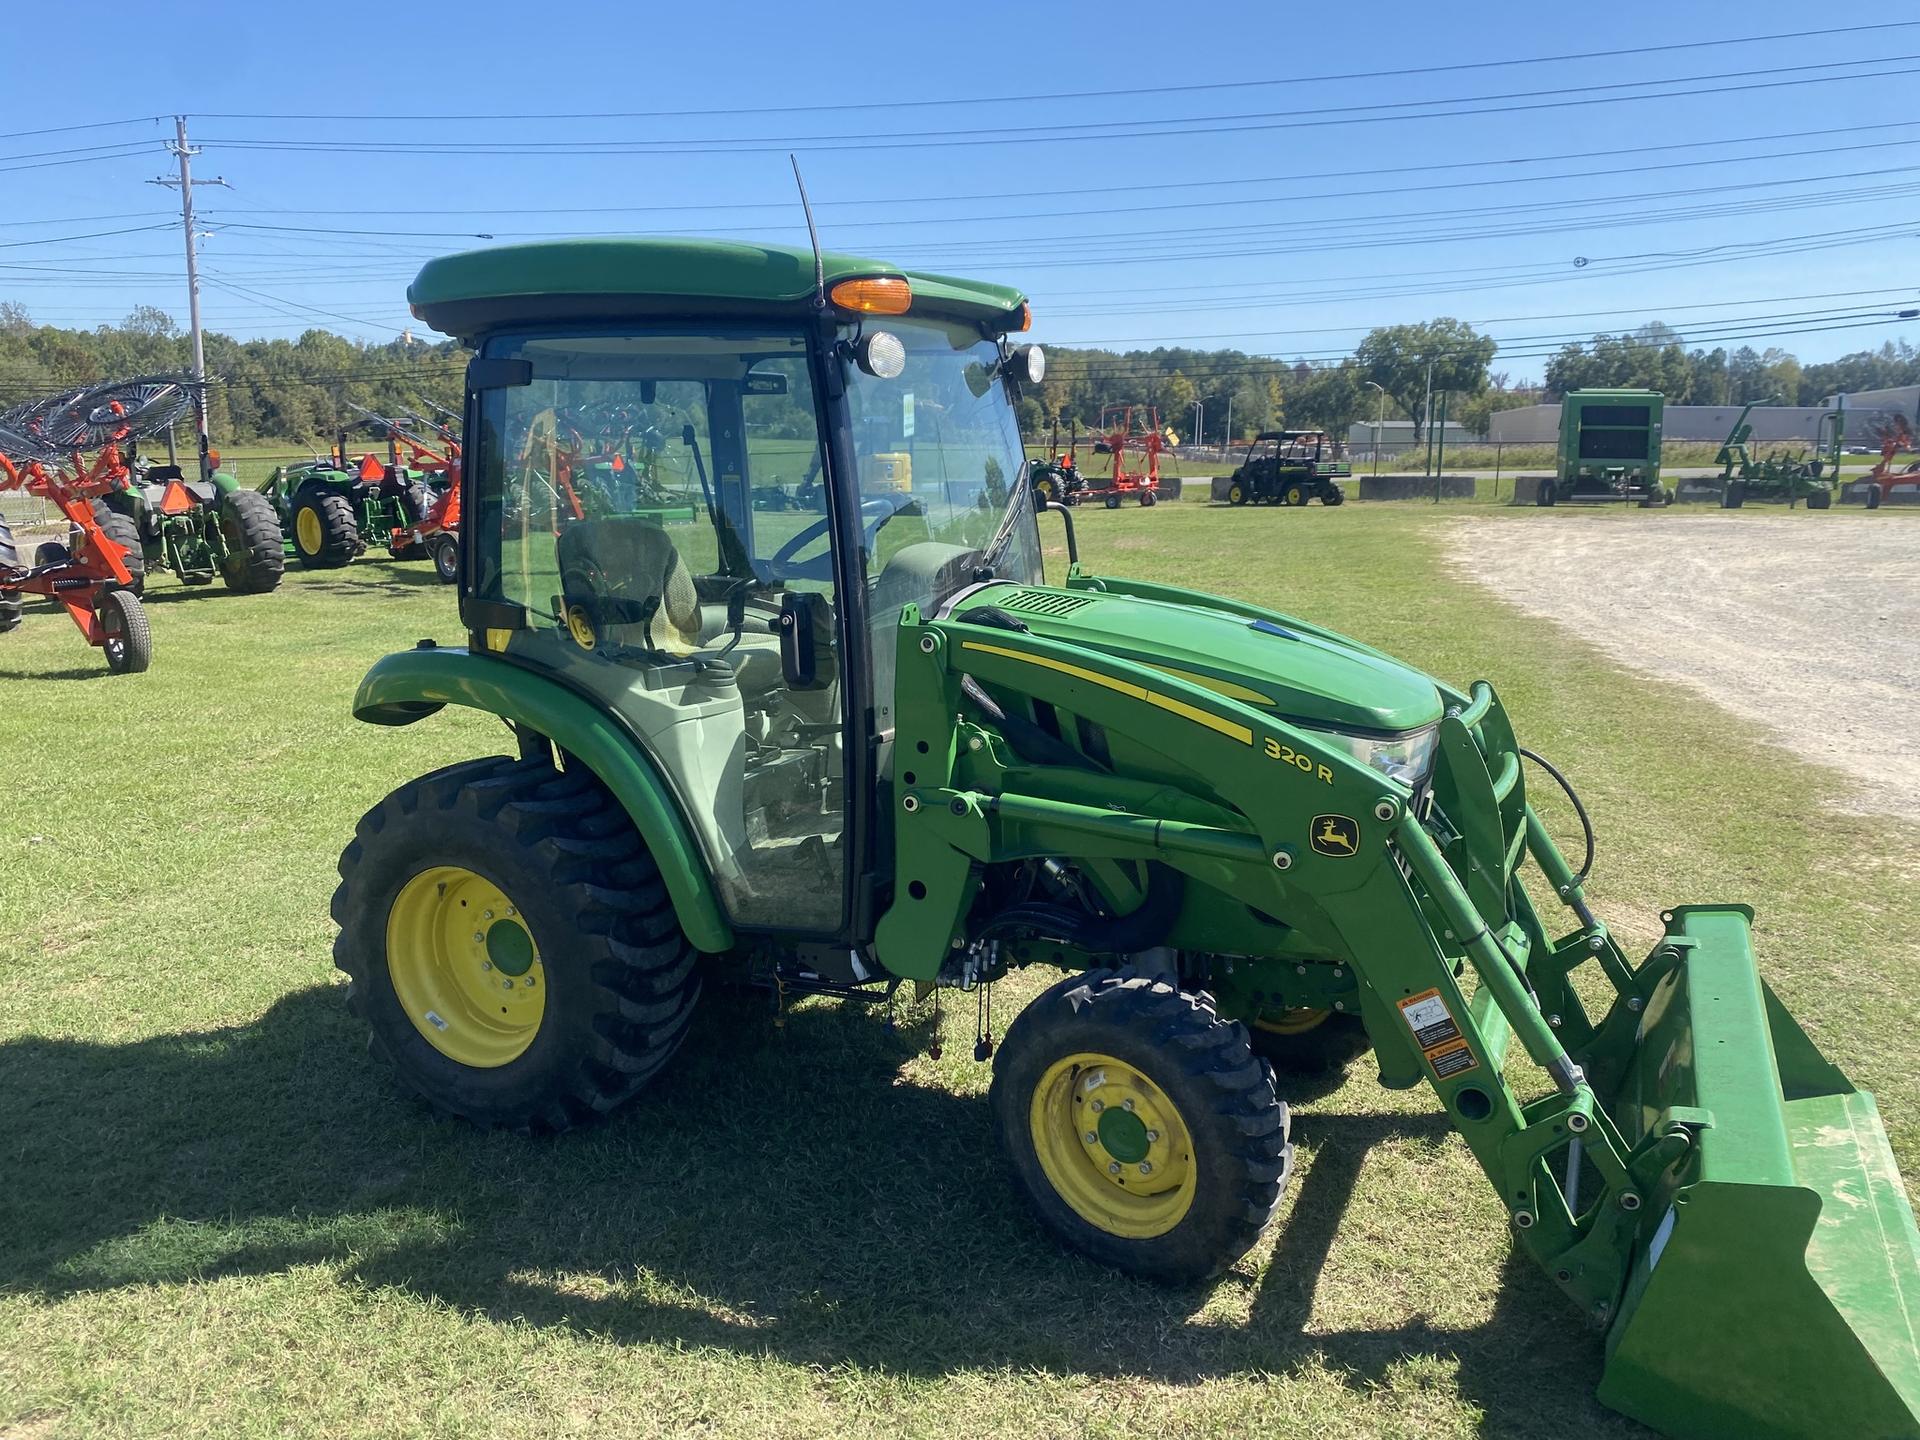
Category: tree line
[301,390]
[292,390]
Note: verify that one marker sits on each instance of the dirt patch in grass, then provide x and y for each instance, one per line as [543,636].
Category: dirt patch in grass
[1802,623]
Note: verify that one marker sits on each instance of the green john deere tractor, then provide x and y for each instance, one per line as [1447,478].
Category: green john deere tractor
[874,746]
[200,528]
[331,511]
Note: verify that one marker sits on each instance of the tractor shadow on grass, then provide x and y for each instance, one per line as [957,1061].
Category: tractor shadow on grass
[77,672]
[780,1191]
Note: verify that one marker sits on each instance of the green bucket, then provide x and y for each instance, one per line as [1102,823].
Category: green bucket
[1775,1283]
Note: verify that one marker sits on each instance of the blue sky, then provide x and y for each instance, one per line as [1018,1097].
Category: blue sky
[1283,219]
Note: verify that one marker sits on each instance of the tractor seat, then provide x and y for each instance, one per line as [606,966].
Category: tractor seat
[635,589]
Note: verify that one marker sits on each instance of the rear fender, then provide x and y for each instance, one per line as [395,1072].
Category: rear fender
[414,684]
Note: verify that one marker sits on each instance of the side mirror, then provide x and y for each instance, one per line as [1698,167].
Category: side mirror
[649,389]
[485,373]
[687,436]
[799,658]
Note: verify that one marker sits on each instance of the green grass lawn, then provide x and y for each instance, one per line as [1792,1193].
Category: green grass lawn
[221,1218]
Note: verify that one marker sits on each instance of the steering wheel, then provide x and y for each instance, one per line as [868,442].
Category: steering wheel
[882,508]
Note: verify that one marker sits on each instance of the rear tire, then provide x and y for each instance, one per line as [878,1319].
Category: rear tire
[325,535]
[125,532]
[1295,494]
[1819,499]
[129,642]
[1333,495]
[256,558]
[618,981]
[1220,1154]
[1733,496]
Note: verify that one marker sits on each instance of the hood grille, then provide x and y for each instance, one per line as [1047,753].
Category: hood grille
[1045,602]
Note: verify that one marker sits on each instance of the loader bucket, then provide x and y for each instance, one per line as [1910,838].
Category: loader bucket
[1775,1287]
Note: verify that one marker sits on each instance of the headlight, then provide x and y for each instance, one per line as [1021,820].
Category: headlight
[1407,758]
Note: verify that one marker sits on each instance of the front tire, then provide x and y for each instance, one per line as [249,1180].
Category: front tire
[1307,1041]
[1295,494]
[446,558]
[128,642]
[1236,494]
[465,885]
[256,559]
[1179,1176]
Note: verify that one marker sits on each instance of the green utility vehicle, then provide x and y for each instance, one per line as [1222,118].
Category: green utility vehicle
[1290,467]
[1782,477]
[874,747]
[1609,449]
[200,528]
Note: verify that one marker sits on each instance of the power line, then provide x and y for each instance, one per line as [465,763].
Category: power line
[92,125]
[1315,78]
[1108,130]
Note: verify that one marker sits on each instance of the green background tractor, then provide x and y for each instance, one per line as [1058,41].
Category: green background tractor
[847,752]
[201,528]
[331,511]
[1776,476]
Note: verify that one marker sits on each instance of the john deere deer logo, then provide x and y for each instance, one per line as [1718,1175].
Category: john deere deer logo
[1335,835]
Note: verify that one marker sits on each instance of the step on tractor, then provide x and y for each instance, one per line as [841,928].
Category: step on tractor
[1124,428]
[193,528]
[332,510]
[1609,449]
[1779,476]
[1057,479]
[1290,467]
[91,575]
[876,747]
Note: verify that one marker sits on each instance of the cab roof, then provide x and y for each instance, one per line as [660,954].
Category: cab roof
[469,294]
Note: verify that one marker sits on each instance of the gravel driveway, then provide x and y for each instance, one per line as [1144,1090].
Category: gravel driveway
[1774,617]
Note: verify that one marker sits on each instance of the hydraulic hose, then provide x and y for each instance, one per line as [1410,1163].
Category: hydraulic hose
[1586,825]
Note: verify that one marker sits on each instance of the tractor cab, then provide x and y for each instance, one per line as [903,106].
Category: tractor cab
[623,535]
[1290,467]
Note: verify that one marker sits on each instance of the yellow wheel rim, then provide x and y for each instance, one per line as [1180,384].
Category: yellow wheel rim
[1045,488]
[580,627]
[1113,1146]
[1292,1022]
[306,532]
[1235,495]
[465,967]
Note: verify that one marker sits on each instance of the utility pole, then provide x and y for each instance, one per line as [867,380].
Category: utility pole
[186,182]
[1379,419]
[1229,435]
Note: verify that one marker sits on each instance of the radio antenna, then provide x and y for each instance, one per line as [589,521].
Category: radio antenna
[813,235]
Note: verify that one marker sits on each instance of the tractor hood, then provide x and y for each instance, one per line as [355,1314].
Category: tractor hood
[1294,672]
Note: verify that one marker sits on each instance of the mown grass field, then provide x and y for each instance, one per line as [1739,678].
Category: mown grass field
[218,1217]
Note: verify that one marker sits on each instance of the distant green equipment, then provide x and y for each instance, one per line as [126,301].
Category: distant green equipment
[197,528]
[1609,448]
[1792,478]
[1290,467]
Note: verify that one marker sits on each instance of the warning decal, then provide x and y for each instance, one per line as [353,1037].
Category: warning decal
[1435,1032]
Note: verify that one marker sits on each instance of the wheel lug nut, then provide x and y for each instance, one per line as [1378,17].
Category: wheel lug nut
[486,914]
[1114,1168]
[486,964]
[1127,1105]
[1098,1106]
[1092,1138]
[529,982]
[1152,1136]
[1146,1167]
[478,938]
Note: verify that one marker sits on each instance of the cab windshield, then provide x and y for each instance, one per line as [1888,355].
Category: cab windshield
[939,445]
